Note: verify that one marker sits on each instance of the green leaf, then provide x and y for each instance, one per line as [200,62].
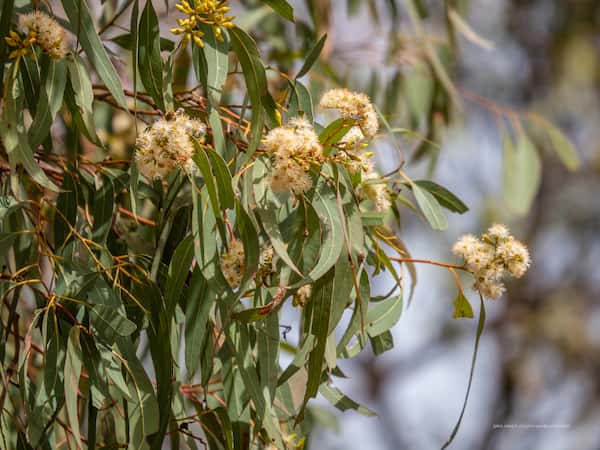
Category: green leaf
[217,64]
[384,315]
[382,342]
[203,163]
[103,210]
[249,237]
[300,101]
[223,180]
[267,349]
[126,41]
[266,209]
[83,27]
[358,320]
[66,203]
[54,78]
[312,56]
[256,83]
[342,402]
[430,207]
[522,174]
[445,198]
[299,360]
[563,147]
[333,133]
[179,269]
[149,59]
[207,255]
[281,7]
[343,284]
[83,94]
[143,409]
[325,204]
[462,307]
[480,326]
[200,300]
[72,374]
[110,322]
[12,131]
[238,339]
[330,296]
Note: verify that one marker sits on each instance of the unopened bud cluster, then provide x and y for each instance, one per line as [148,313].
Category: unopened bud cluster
[167,145]
[302,296]
[294,148]
[232,263]
[38,28]
[210,12]
[492,257]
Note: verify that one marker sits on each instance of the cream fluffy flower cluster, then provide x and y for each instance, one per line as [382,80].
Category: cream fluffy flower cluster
[50,36]
[294,147]
[166,145]
[358,106]
[353,105]
[490,258]
[232,263]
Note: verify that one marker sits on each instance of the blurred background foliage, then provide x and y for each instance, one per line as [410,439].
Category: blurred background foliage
[457,82]
[536,386]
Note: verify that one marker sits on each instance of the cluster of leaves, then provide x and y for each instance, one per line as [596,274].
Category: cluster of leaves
[118,326]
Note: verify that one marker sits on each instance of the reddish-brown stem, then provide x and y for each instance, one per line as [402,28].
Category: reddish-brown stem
[143,220]
[429,261]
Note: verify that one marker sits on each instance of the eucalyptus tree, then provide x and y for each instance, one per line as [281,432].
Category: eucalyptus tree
[165,200]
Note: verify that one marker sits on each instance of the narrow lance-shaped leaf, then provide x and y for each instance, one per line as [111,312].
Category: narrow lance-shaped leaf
[342,402]
[282,7]
[256,82]
[149,59]
[522,173]
[54,78]
[325,204]
[12,131]
[72,374]
[83,95]
[384,315]
[83,27]
[200,300]
[312,56]
[445,198]
[480,325]
[430,207]
[300,101]
[217,63]
[560,143]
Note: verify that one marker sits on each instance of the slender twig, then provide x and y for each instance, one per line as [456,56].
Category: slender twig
[429,261]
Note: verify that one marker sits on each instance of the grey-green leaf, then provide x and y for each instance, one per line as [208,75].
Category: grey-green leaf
[282,7]
[72,374]
[522,174]
[312,56]
[563,147]
[83,27]
[149,59]
[430,208]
